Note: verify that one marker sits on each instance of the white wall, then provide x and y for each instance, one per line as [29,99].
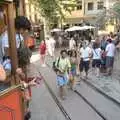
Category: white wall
[95,10]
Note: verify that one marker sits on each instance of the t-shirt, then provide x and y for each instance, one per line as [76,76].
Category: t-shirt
[5,41]
[52,43]
[42,48]
[96,53]
[64,64]
[85,53]
[110,49]
[71,44]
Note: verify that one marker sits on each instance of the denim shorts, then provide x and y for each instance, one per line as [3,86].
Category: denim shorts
[109,61]
[62,80]
[96,63]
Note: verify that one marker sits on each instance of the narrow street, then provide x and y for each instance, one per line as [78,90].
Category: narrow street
[84,104]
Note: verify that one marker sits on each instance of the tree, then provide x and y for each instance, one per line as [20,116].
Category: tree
[116,8]
[53,10]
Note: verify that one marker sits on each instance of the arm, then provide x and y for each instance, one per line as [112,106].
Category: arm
[2,73]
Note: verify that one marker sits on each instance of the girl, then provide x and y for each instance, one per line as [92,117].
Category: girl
[42,53]
[73,61]
[96,63]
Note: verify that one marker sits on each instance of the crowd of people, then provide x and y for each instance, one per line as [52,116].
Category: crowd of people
[98,56]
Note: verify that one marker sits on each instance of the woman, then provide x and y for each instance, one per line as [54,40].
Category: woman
[42,49]
[63,67]
[73,61]
[96,63]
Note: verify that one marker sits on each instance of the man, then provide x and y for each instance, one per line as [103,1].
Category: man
[51,47]
[103,43]
[110,53]
[63,65]
[72,44]
[85,55]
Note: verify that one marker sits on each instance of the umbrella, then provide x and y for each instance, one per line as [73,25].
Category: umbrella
[56,30]
[88,27]
[74,28]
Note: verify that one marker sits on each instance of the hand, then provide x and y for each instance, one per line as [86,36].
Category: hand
[33,82]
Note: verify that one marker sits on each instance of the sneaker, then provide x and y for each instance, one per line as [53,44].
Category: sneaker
[44,65]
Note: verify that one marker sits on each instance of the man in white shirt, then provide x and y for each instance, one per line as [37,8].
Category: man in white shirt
[85,54]
[51,46]
[72,44]
[110,53]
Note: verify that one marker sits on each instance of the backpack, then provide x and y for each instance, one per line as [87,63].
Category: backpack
[55,67]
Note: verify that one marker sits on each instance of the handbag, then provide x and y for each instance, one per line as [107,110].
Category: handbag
[55,67]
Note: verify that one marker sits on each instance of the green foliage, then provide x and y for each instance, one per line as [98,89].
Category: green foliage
[52,10]
[116,7]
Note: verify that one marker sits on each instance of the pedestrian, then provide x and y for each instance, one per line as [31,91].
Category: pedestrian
[26,86]
[103,43]
[47,45]
[72,76]
[85,55]
[110,53]
[42,49]
[63,67]
[72,44]
[51,48]
[96,63]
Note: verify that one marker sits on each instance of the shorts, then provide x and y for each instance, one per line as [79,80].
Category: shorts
[84,65]
[73,71]
[96,63]
[109,61]
[62,80]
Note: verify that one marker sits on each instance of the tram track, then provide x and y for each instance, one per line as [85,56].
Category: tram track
[55,99]
[100,92]
[62,109]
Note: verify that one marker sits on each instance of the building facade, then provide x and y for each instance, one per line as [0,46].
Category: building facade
[90,11]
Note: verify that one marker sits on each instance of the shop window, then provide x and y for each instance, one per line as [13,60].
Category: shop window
[90,6]
[100,5]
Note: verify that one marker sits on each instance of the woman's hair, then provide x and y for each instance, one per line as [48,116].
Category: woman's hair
[22,22]
[72,53]
[69,52]
[109,40]
[5,58]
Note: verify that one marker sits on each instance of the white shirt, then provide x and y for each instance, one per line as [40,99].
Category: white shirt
[71,44]
[96,53]
[5,42]
[110,49]
[52,43]
[85,53]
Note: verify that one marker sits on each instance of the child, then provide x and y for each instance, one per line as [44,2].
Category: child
[26,91]
[73,61]
[42,52]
